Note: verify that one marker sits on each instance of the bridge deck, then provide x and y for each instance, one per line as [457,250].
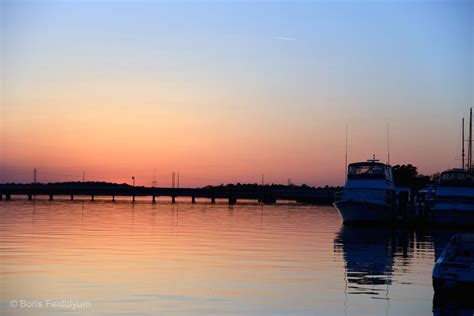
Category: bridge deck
[265,196]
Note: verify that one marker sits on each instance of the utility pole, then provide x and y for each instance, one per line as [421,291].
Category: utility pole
[34,175]
[178,180]
[263,179]
[133,179]
[173,177]
[83,176]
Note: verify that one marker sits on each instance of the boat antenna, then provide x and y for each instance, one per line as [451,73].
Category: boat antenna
[463,152]
[347,133]
[388,143]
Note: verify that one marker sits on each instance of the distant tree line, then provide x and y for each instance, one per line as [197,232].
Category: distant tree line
[255,187]
[73,184]
[404,176]
[238,187]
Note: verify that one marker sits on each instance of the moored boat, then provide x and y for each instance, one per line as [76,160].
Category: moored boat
[454,269]
[369,194]
[454,199]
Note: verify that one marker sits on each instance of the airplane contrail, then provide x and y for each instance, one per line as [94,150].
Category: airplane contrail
[286,38]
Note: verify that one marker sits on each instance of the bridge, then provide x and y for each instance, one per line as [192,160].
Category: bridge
[264,194]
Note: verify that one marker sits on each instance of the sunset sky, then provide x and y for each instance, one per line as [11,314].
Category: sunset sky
[224,91]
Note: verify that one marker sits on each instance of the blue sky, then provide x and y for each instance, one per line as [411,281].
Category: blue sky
[285,75]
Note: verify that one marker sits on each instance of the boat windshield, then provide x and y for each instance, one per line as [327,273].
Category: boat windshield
[456,179]
[369,171]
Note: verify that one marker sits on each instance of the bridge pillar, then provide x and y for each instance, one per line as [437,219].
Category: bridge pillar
[72,197]
[154,199]
[92,197]
[213,200]
[113,198]
[193,199]
[8,197]
[133,198]
[30,197]
[50,197]
[232,200]
[1,197]
[269,199]
[173,199]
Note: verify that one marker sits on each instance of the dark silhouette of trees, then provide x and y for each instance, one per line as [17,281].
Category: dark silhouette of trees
[403,175]
[408,176]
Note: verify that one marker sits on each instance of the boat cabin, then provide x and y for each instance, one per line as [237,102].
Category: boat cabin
[370,170]
[456,178]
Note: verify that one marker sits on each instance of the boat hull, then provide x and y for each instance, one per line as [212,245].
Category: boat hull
[452,216]
[445,286]
[364,212]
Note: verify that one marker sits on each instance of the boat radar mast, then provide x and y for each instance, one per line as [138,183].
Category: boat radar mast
[373,159]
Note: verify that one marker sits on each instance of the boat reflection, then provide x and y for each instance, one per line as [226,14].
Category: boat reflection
[368,263]
[372,254]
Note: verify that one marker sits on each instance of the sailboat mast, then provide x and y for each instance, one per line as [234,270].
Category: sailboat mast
[470,141]
[463,153]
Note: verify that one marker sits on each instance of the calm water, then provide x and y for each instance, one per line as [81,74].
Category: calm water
[185,259]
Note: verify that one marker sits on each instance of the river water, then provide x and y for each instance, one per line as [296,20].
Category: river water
[123,258]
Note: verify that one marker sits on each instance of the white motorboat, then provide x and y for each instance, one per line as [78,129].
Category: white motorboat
[454,268]
[454,199]
[369,194]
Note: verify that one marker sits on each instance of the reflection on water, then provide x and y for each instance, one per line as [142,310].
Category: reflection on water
[368,257]
[374,257]
[182,259]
